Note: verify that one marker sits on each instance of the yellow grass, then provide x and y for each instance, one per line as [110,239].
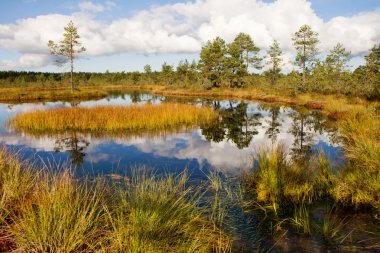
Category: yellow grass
[16,95]
[113,119]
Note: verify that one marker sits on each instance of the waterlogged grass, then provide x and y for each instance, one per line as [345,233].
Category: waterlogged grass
[45,211]
[63,216]
[17,181]
[12,95]
[276,182]
[359,183]
[289,195]
[157,215]
[113,119]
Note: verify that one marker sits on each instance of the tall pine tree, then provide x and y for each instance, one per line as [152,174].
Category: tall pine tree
[69,47]
[274,60]
[305,41]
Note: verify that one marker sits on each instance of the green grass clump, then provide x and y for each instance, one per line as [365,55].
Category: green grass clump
[17,180]
[50,211]
[63,217]
[276,181]
[113,119]
[161,215]
[359,183]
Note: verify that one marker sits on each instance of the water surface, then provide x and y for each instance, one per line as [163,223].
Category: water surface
[228,144]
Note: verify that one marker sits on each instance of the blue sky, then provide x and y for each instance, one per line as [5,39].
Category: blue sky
[126,35]
[11,10]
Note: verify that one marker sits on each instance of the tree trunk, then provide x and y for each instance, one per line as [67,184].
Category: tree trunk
[304,62]
[304,65]
[72,65]
[71,76]
[247,59]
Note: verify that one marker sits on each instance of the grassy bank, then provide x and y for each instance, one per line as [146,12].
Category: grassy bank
[312,200]
[19,95]
[147,117]
[46,211]
[276,180]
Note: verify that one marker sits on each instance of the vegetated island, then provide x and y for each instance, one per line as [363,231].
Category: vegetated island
[114,119]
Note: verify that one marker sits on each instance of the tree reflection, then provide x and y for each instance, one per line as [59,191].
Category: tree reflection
[306,124]
[234,123]
[75,145]
[136,97]
[274,123]
[303,137]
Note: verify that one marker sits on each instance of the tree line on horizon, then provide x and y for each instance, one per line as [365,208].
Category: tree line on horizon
[228,65]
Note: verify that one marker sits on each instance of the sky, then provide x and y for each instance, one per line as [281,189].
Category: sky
[126,35]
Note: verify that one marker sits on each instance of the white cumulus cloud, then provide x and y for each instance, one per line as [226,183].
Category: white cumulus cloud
[185,27]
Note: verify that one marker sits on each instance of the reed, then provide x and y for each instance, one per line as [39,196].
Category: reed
[113,119]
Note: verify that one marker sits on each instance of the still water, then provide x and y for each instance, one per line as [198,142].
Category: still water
[227,145]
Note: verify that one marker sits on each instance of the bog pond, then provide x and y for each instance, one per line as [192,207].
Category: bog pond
[228,145]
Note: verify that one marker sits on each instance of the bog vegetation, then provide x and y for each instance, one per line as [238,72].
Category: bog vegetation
[113,119]
[48,211]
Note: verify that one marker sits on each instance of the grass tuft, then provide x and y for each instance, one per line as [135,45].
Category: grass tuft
[279,182]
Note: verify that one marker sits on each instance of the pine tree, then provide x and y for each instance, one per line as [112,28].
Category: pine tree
[274,60]
[211,62]
[373,59]
[305,41]
[69,47]
[247,50]
[372,68]
[336,62]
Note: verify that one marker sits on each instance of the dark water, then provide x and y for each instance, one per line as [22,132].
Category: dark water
[227,144]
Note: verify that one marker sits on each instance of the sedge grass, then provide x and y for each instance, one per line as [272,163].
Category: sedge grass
[162,215]
[55,212]
[17,180]
[63,217]
[113,119]
[17,95]
[278,182]
[359,183]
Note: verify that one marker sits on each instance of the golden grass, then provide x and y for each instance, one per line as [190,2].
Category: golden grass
[112,119]
[31,94]
[17,95]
